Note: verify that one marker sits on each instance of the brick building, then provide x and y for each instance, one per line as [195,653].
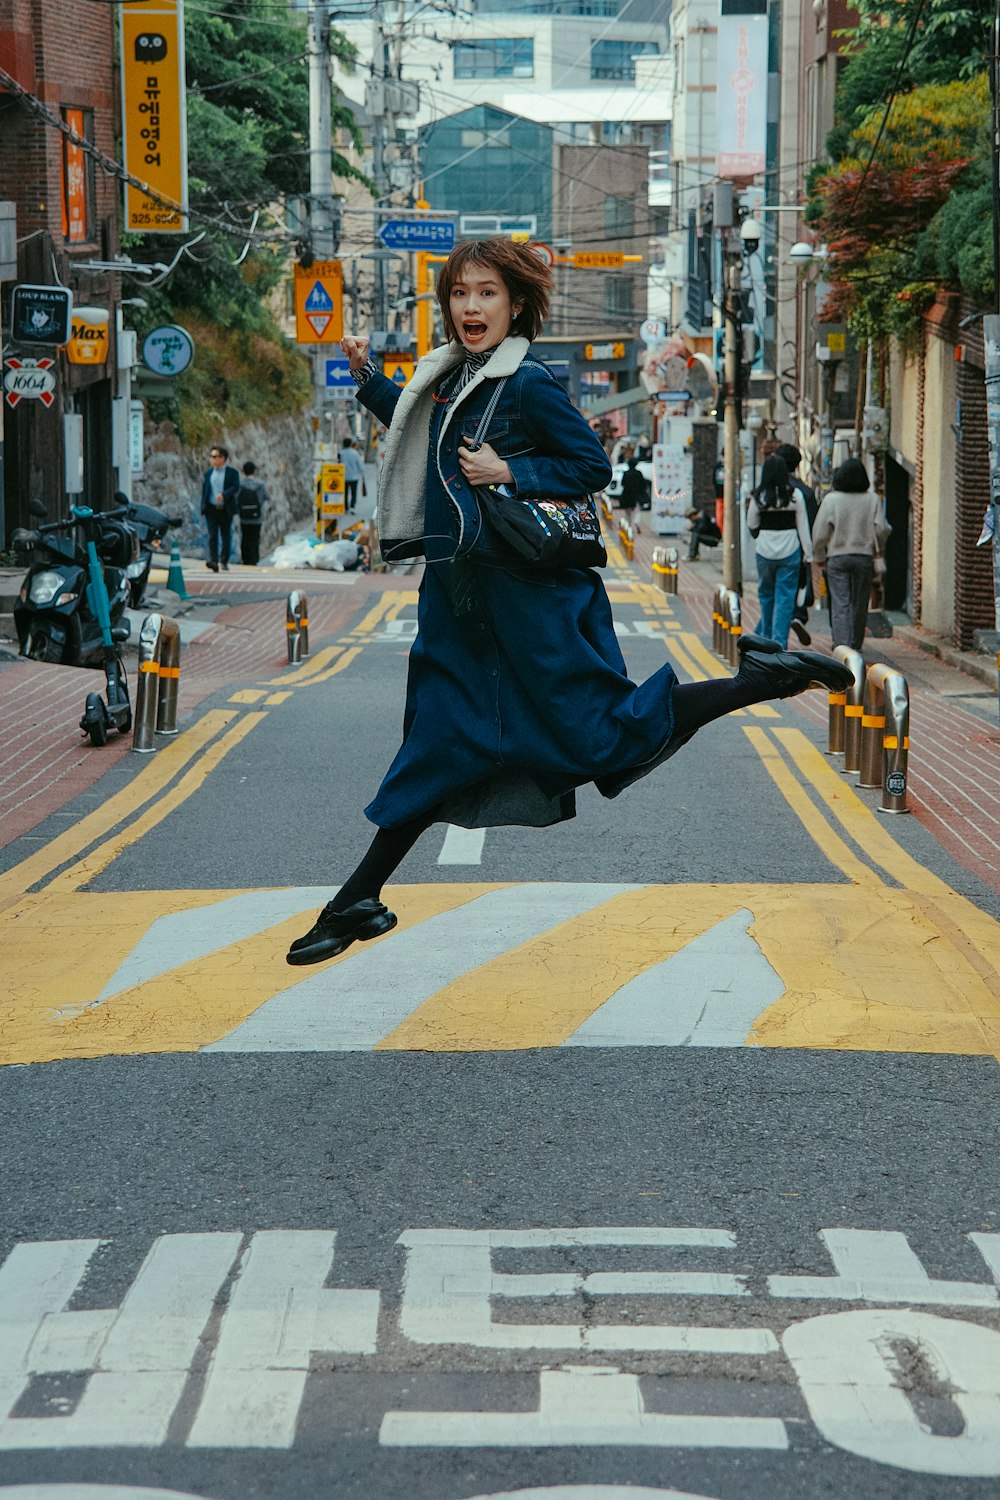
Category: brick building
[61,54]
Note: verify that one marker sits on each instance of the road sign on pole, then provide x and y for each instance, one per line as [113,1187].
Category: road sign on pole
[338,375]
[418,234]
[319,303]
[398,368]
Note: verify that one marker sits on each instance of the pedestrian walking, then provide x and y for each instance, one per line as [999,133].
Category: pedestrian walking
[354,473]
[517,690]
[805,598]
[634,492]
[252,499]
[777,520]
[220,488]
[848,535]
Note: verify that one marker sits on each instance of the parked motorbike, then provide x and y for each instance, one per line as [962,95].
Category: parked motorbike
[71,606]
[151,526]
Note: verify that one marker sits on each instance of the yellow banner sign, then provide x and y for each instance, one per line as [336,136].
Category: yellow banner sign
[598,260]
[154,117]
[319,303]
[604,351]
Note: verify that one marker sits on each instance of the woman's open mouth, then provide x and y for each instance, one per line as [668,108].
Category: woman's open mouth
[473,330]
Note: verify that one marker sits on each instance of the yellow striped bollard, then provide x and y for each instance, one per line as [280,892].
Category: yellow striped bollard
[159,682]
[838,720]
[297,626]
[734,625]
[720,629]
[885,736]
[853,708]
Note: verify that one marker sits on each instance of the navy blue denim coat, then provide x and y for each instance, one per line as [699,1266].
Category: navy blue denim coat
[517,690]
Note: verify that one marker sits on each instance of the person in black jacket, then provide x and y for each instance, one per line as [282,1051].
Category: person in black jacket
[634,492]
[800,616]
[220,488]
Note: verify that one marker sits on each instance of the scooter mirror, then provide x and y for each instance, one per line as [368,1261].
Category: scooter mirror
[23,541]
[37,508]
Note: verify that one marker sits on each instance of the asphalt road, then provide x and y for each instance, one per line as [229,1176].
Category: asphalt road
[458,1222]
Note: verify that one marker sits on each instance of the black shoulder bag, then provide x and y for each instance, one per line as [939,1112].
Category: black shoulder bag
[546,535]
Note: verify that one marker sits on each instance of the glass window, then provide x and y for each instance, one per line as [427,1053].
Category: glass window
[610,58]
[619,216]
[77,178]
[497,57]
[618,300]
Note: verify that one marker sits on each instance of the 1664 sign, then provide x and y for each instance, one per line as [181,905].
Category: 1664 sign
[29,380]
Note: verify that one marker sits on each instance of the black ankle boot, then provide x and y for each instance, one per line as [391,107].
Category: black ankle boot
[333,931]
[785,673]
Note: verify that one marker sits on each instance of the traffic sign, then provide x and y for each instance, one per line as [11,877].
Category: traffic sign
[319,303]
[338,375]
[544,252]
[398,370]
[598,260]
[418,234]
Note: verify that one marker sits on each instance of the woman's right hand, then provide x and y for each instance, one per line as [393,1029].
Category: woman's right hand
[356,351]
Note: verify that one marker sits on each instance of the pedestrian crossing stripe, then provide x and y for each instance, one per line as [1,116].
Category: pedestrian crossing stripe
[497,967]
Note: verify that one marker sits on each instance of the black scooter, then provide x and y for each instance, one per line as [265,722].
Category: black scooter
[70,608]
[151,527]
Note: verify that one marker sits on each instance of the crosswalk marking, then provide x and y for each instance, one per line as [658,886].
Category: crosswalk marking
[462,846]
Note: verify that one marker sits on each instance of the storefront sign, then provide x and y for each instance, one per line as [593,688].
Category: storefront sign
[604,351]
[88,344]
[168,350]
[41,315]
[742,128]
[75,207]
[29,380]
[154,118]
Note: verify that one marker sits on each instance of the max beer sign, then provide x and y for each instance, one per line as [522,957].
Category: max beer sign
[29,380]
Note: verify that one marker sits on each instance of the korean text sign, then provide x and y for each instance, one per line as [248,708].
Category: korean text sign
[154,118]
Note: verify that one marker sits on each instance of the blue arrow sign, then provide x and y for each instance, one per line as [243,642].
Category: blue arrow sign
[338,375]
[418,234]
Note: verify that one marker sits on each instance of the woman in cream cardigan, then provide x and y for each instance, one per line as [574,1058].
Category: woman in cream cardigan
[848,534]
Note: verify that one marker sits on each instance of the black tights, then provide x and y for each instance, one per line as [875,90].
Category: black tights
[695,704]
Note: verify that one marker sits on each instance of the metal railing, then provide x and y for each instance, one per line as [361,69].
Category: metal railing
[665,561]
[297,626]
[159,682]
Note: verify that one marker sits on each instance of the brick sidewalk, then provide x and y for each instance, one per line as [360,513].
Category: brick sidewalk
[954,767]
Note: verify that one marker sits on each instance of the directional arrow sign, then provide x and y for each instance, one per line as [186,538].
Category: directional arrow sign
[418,234]
[319,303]
[338,375]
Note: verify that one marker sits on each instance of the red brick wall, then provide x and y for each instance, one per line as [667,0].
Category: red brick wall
[974,609]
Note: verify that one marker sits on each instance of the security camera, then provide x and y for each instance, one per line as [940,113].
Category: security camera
[750,233]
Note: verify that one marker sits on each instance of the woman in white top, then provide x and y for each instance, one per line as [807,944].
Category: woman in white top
[779,521]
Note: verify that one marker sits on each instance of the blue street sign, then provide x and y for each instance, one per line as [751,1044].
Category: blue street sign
[419,234]
[338,375]
[319,300]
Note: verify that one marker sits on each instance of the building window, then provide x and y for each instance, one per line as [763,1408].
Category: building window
[618,301]
[499,57]
[619,217]
[615,59]
[77,178]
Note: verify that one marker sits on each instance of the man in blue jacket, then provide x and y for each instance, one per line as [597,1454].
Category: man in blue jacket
[220,489]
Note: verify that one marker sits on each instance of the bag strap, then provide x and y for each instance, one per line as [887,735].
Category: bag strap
[491,407]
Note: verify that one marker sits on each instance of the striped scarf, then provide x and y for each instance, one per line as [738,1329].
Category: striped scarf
[474,361]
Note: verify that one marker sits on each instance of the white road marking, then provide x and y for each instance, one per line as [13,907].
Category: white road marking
[373,990]
[875,1265]
[280,1314]
[105,1492]
[462,846]
[579,1408]
[707,995]
[397,632]
[140,1354]
[851,1378]
[589,1492]
[449,1284]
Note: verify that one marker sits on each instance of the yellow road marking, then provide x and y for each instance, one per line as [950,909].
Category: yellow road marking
[150,781]
[539,993]
[819,830]
[713,667]
[345,661]
[273,699]
[248,695]
[308,669]
[88,868]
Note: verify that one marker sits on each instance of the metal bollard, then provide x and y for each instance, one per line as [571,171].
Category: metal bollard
[836,731]
[852,708]
[659,565]
[734,622]
[626,539]
[670,576]
[159,681]
[885,687]
[297,626]
[719,628]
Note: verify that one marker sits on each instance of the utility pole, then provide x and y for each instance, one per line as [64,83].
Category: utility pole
[322,221]
[724,219]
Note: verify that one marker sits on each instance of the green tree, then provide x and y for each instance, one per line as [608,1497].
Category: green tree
[248,139]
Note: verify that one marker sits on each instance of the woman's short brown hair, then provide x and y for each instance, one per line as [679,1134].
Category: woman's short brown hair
[525,275]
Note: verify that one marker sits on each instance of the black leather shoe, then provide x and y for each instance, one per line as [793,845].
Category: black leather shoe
[334,931]
[805,639]
[785,673]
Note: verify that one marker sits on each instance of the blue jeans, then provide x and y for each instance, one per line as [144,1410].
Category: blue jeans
[777,587]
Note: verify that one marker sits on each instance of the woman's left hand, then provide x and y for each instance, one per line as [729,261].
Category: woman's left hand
[484,466]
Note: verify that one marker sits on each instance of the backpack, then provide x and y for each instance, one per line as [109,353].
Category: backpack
[249,504]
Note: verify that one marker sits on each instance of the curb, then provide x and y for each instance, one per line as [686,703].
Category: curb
[973,663]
